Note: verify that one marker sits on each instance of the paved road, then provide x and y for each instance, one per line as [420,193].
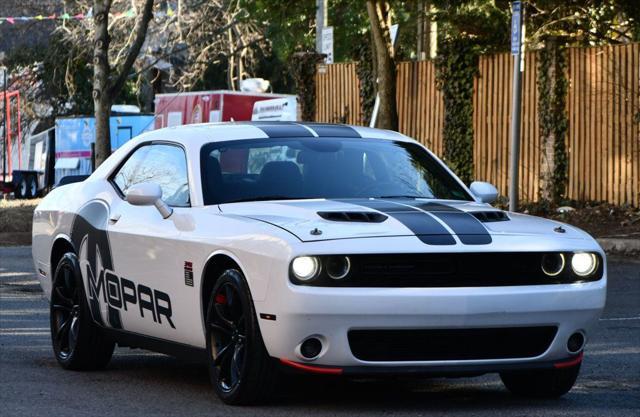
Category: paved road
[139,383]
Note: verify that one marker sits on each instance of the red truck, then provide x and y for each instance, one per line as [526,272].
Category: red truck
[176,109]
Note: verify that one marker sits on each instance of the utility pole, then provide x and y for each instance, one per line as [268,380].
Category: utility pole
[4,119]
[321,21]
[517,52]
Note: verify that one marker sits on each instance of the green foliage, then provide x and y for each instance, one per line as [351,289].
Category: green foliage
[457,65]
[584,22]
[486,23]
[552,111]
[303,70]
[64,73]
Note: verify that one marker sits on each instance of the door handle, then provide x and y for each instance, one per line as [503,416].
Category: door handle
[114,219]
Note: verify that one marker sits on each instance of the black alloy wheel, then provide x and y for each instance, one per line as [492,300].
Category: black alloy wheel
[78,343]
[240,368]
[228,336]
[65,312]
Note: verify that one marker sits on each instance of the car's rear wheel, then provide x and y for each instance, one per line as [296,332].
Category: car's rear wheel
[548,383]
[240,368]
[78,343]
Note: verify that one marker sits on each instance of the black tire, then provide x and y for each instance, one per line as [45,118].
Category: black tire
[78,343]
[551,383]
[240,368]
[32,187]
[22,189]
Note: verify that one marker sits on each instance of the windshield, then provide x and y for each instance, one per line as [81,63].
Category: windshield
[331,168]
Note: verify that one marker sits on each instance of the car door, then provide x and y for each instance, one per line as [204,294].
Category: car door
[148,258]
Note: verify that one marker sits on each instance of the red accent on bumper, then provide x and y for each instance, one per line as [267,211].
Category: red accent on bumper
[312,369]
[570,363]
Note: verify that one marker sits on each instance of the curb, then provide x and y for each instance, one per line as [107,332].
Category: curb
[619,246]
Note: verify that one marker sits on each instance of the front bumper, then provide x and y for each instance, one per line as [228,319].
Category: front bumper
[330,313]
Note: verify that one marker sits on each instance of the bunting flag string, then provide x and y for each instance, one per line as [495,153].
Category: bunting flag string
[129,14]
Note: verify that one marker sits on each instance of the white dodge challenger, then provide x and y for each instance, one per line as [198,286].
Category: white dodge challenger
[313,248]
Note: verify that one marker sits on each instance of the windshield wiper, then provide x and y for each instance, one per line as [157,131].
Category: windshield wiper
[262,198]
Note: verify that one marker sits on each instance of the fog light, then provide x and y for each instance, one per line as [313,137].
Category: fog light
[552,263]
[305,268]
[310,348]
[583,264]
[338,266]
[575,342]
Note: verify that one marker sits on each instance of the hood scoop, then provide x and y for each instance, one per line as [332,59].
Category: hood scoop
[490,216]
[353,216]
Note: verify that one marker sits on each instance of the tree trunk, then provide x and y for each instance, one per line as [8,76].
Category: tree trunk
[104,89]
[379,16]
[101,99]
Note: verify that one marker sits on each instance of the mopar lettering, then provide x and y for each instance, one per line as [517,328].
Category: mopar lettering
[121,293]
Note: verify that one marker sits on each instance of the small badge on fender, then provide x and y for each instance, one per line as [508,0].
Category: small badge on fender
[188,273]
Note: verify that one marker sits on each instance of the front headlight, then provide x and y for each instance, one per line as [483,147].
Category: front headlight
[305,268]
[584,264]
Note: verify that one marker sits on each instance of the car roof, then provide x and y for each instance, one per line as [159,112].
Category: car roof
[199,134]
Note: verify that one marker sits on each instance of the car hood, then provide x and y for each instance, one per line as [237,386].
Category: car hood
[433,221]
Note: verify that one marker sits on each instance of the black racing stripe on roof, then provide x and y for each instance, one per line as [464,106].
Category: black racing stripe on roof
[283,130]
[425,227]
[338,131]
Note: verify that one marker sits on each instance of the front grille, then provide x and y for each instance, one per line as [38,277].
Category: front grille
[436,270]
[450,344]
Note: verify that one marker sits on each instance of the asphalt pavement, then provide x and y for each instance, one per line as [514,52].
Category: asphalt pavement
[147,384]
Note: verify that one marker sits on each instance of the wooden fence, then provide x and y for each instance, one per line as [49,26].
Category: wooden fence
[603,139]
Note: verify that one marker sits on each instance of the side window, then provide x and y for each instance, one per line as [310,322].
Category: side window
[165,165]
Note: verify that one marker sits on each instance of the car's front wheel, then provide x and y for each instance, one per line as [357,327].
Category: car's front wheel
[240,368]
[548,383]
[78,343]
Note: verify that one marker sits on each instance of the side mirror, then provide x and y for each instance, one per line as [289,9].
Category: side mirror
[148,194]
[484,192]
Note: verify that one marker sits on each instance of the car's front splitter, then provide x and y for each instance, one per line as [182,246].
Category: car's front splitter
[429,370]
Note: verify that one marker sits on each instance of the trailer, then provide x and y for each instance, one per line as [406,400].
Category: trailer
[19,175]
[31,167]
[75,137]
[176,109]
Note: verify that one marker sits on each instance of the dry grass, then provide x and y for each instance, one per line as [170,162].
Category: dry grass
[16,217]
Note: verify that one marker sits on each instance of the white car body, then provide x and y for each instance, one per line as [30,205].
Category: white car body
[263,238]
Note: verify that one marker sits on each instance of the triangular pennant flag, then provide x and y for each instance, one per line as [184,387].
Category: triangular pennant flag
[130,13]
[169,11]
[65,16]
[25,18]
[79,16]
[51,17]
[89,14]
[39,17]
[1,21]
[11,20]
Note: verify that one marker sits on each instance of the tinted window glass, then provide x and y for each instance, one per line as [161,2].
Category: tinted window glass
[164,165]
[265,169]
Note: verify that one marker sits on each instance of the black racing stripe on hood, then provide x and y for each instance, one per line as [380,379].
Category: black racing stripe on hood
[467,227]
[338,131]
[425,227]
[283,130]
